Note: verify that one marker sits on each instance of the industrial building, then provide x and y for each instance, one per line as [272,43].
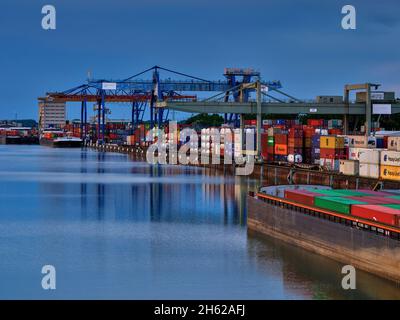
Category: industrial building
[51,114]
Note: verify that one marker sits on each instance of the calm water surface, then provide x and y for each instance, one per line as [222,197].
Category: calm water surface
[116,228]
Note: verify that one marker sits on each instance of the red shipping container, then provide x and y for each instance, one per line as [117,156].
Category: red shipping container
[301,196]
[377,213]
[330,153]
[295,142]
[252,122]
[264,145]
[280,138]
[292,150]
[295,133]
[315,122]
[335,131]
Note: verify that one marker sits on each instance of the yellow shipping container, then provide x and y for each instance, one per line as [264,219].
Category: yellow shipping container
[331,142]
[390,173]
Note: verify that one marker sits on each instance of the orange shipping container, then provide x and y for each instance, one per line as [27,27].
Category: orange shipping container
[281,149]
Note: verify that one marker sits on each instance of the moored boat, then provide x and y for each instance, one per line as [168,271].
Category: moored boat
[59,139]
[364,232]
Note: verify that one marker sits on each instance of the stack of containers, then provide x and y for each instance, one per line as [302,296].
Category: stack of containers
[308,132]
[271,141]
[280,147]
[390,165]
[264,146]
[315,149]
[335,123]
[334,200]
[295,145]
[369,160]
[379,207]
[331,150]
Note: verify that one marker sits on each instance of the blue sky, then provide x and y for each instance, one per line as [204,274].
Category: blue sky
[298,42]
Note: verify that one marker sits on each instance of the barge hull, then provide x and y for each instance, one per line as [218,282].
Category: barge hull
[344,243]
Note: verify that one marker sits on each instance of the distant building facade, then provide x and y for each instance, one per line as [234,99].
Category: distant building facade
[51,114]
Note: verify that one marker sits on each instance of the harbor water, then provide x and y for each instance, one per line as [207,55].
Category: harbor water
[115,228]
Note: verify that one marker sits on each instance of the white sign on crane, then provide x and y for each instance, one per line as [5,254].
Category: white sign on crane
[109,86]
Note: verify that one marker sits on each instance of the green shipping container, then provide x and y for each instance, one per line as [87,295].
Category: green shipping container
[351,193]
[394,197]
[393,206]
[328,192]
[342,205]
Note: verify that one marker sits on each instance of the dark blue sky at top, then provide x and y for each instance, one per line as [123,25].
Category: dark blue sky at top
[299,42]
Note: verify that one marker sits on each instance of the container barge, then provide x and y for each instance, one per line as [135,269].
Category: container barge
[357,227]
[59,139]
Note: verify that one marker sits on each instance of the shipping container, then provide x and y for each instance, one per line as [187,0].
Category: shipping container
[281,149]
[371,156]
[331,142]
[332,153]
[349,167]
[379,213]
[301,196]
[337,204]
[353,154]
[273,131]
[369,170]
[393,143]
[390,172]
[377,193]
[358,141]
[351,192]
[281,138]
[390,158]
[326,192]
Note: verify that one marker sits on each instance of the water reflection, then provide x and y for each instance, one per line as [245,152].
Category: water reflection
[117,228]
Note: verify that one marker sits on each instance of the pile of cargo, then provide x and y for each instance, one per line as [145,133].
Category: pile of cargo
[378,206]
[331,151]
[288,141]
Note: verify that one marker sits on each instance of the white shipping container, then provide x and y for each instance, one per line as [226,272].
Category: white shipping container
[369,170]
[394,143]
[390,158]
[349,167]
[372,156]
[353,154]
[358,141]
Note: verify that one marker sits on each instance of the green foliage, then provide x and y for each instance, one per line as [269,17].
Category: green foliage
[205,120]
